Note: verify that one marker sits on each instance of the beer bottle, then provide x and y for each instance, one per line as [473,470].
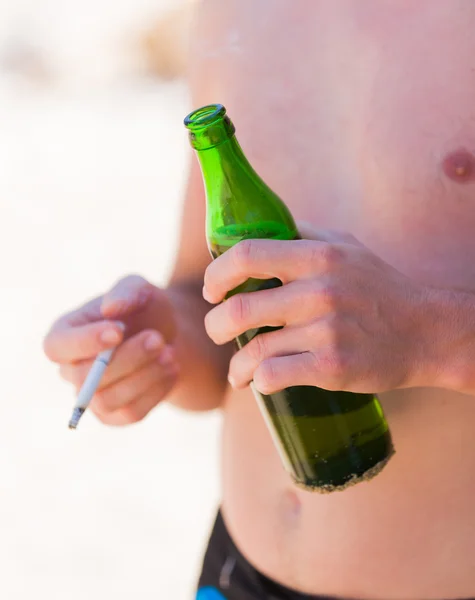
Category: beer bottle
[327,440]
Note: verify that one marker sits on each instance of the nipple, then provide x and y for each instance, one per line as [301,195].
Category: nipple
[460,166]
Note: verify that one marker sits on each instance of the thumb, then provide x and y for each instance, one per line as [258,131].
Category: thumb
[330,236]
[307,231]
[127,296]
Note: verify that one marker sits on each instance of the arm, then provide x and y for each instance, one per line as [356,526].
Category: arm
[164,352]
[203,365]
[351,321]
[451,320]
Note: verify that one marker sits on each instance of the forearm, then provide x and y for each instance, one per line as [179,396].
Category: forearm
[452,360]
[203,365]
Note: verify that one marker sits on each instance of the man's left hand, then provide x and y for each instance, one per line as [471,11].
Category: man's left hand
[349,321]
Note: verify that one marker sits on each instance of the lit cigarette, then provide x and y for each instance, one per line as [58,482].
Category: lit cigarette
[90,386]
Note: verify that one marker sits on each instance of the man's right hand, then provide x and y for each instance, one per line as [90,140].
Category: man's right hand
[143,369]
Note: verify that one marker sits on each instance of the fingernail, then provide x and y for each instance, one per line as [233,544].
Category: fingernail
[110,336]
[153,342]
[120,325]
[166,357]
[232,381]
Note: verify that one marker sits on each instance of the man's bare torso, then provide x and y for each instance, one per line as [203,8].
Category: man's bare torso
[361,115]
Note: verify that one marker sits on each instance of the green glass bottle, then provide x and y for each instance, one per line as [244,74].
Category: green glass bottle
[327,440]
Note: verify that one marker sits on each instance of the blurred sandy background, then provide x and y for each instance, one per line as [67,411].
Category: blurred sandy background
[92,161]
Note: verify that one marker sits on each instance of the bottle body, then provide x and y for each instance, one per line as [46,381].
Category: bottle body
[327,440]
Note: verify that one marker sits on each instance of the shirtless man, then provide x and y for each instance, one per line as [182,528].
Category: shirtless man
[361,116]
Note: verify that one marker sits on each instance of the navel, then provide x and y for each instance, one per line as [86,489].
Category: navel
[459,166]
[291,506]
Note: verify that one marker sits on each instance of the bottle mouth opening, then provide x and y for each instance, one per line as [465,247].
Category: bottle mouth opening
[204,116]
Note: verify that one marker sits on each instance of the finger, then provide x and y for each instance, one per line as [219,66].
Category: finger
[128,295]
[331,236]
[291,304]
[84,314]
[139,408]
[131,356]
[264,259]
[284,342]
[328,368]
[128,389]
[66,344]
[135,353]
[280,372]
[308,232]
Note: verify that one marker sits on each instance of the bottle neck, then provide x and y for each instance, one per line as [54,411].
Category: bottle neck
[226,159]
[239,203]
[212,135]
[209,127]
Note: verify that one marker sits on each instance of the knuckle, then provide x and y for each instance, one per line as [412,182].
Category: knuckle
[329,296]
[239,309]
[335,365]
[311,297]
[315,332]
[258,348]
[323,296]
[265,377]
[243,254]
[131,286]
[332,332]
[328,256]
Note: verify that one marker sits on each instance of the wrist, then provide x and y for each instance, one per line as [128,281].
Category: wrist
[161,314]
[452,340]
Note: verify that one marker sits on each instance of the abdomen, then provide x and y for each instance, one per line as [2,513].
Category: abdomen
[407,534]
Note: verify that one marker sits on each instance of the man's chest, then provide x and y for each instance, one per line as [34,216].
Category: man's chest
[362,117]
